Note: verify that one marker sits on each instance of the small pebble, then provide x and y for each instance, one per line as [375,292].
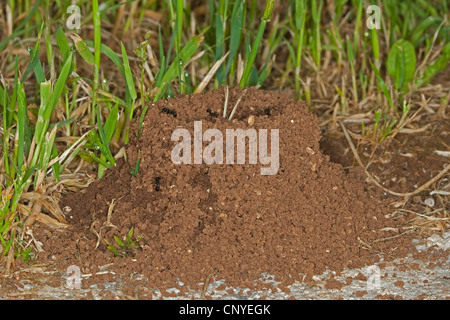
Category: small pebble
[429,202]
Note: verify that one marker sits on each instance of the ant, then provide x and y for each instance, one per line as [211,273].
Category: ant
[169,111]
[157,184]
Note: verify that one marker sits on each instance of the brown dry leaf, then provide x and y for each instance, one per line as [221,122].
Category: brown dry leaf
[210,74]
[153,14]
[42,218]
[48,202]
[418,130]
[49,221]
[78,112]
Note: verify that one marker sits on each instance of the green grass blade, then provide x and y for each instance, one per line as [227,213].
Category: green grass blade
[253,52]
[34,55]
[418,32]
[237,24]
[18,29]
[21,123]
[59,86]
[316,47]
[382,85]
[116,6]
[4,99]
[179,24]
[105,147]
[161,48]
[128,74]
[437,66]
[186,53]
[39,71]
[401,64]
[97,50]
[62,42]
[113,56]
[220,44]
[83,49]
[41,124]
[47,150]
[111,122]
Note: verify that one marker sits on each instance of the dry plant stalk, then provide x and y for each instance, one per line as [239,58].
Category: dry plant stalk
[408,194]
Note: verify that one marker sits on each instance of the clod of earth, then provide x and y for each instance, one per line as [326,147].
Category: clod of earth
[196,219]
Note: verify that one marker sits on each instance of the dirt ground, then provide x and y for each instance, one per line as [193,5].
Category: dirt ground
[403,279]
[221,222]
[227,221]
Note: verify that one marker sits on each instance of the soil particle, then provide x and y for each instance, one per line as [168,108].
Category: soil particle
[361,294]
[333,284]
[361,277]
[197,219]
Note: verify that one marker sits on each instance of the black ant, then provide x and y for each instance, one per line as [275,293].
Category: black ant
[169,111]
[212,114]
[157,184]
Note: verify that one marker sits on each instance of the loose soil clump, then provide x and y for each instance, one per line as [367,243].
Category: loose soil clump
[227,220]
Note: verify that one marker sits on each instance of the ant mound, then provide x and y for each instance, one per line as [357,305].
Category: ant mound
[202,197]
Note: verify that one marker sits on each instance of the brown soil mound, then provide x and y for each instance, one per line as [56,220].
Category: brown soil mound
[198,219]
